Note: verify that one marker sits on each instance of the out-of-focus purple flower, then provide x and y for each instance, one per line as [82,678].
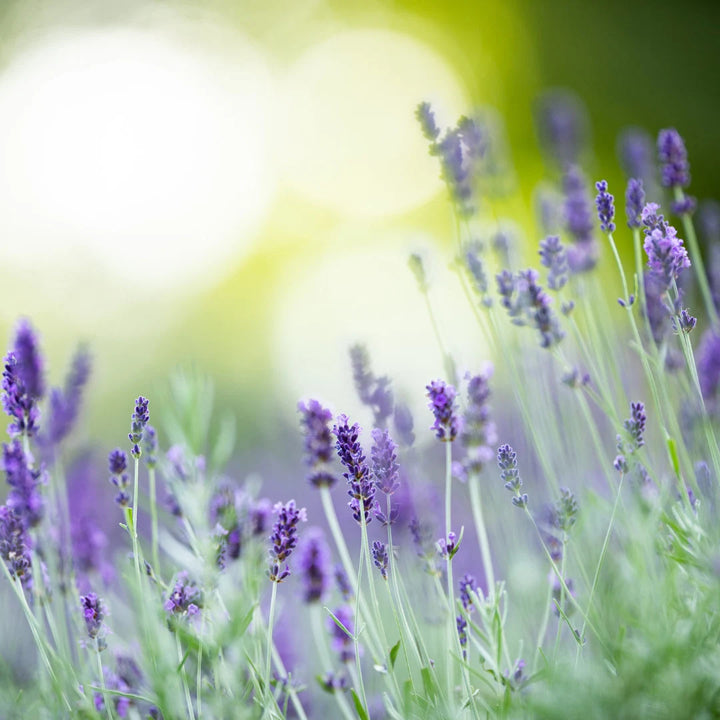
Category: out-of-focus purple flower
[315,420]
[666,253]
[442,403]
[17,402]
[635,425]
[383,518]
[637,154]
[185,598]
[478,430]
[114,682]
[578,215]
[675,168]
[342,583]
[360,487]
[117,464]
[14,545]
[65,402]
[93,613]
[259,516]
[634,202]
[383,455]
[403,421]
[24,496]
[685,322]
[548,204]
[447,546]
[315,565]
[685,206]
[561,124]
[605,204]
[284,538]
[468,585]
[554,257]
[557,594]
[150,446]
[373,391]
[342,643]
[510,475]
[426,117]
[88,547]
[461,624]
[29,360]
[140,418]
[565,511]
[380,558]
[708,366]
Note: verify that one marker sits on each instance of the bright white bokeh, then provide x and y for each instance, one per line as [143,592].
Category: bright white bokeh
[351,142]
[366,293]
[126,152]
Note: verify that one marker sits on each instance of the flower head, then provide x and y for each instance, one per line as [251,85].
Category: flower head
[315,420]
[478,430]
[383,455]
[140,418]
[373,391]
[315,565]
[185,598]
[634,202]
[442,403]
[509,473]
[675,168]
[582,254]
[284,538]
[380,558]
[554,257]
[667,255]
[117,464]
[404,424]
[93,614]
[357,473]
[24,497]
[605,204]
[14,545]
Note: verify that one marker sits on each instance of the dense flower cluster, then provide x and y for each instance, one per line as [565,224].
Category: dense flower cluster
[140,418]
[373,391]
[442,403]
[634,202]
[578,215]
[284,538]
[315,420]
[553,256]
[315,566]
[357,473]
[117,464]
[605,204]
[510,475]
[185,598]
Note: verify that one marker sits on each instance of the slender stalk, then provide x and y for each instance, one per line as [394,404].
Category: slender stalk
[101,675]
[183,678]
[473,485]
[271,621]
[358,681]
[154,523]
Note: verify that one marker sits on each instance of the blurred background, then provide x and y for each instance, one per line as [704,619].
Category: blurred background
[235,186]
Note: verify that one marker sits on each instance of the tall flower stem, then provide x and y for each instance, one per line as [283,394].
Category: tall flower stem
[475,504]
[101,676]
[154,520]
[271,622]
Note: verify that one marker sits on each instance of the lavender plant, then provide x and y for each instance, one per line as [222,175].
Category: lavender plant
[590,590]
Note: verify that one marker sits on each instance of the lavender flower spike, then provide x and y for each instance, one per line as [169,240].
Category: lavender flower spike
[117,464]
[17,403]
[675,167]
[315,420]
[666,253]
[315,565]
[140,418]
[380,558]
[24,497]
[507,462]
[426,117]
[14,549]
[93,613]
[605,204]
[185,597]
[29,360]
[65,402]
[384,462]
[442,403]
[554,257]
[284,538]
[360,487]
[634,202]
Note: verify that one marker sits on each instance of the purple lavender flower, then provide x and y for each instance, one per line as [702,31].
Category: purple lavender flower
[554,257]
[185,599]
[565,511]
[426,117]
[685,322]
[24,497]
[634,202]
[140,418]
[448,546]
[29,360]
[476,271]
[478,430]
[342,643]
[383,455]
[17,402]
[561,125]
[361,488]
[93,614]
[468,585]
[635,425]
[150,446]
[315,420]
[675,168]
[530,304]
[636,153]
[582,254]
[442,403]
[509,473]
[385,519]
[605,204]
[88,549]
[284,538]
[403,421]
[666,253]
[14,545]
[117,464]
[342,583]
[461,624]
[65,402]
[315,565]
[708,366]
[259,516]
[373,391]
[380,558]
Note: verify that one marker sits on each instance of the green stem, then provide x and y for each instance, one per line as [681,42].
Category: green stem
[473,484]
[183,678]
[154,523]
[271,621]
[106,700]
